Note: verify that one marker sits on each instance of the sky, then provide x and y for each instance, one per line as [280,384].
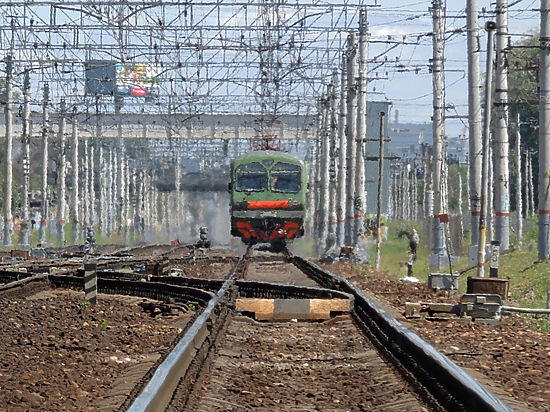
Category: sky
[399,52]
[410,90]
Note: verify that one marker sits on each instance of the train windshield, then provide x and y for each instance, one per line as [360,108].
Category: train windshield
[285,177]
[251,177]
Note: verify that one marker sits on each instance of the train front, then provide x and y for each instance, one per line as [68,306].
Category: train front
[268,192]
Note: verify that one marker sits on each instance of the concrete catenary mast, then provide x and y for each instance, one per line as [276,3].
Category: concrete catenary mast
[351,130]
[359,199]
[324,186]
[75,218]
[8,176]
[332,161]
[342,165]
[501,142]
[490,27]
[439,257]
[519,201]
[26,137]
[61,176]
[474,120]
[45,133]
[544,133]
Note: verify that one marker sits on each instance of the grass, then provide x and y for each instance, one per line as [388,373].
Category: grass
[529,279]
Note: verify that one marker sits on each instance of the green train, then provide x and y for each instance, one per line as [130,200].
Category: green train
[268,197]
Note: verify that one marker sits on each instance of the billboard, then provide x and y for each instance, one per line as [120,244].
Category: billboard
[100,77]
[136,79]
[108,77]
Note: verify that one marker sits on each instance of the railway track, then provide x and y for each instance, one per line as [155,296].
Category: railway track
[223,360]
[435,382]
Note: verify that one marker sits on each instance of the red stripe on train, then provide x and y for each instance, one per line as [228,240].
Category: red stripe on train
[268,204]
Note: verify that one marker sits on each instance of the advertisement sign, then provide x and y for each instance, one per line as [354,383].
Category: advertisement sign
[136,79]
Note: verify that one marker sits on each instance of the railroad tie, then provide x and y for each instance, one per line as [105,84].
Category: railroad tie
[287,309]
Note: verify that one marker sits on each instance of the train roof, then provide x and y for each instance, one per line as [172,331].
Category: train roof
[267,154]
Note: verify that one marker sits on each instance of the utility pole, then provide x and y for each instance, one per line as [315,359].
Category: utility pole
[91,190]
[25,221]
[544,133]
[379,196]
[490,195]
[501,141]
[109,190]
[474,121]
[490,27]
[61,176]
[324,166]
[123,194]
[531,185]
[126,199]
[74,201]
[519,202]
[177,184]
[359,198]
[439,257]
[85,197]
[332,161]
[136,182]
[317,176]
[414,192]
[342,160]
[351,129]
[391,199]
[8,176]
[45,133]
[528,207]
[102,177]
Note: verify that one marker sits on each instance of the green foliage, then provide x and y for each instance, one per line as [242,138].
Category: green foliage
[529,279]
[103,323]
[193,305]
[85,304]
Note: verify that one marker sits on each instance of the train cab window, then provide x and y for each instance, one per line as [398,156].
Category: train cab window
[285,177]
[251,177]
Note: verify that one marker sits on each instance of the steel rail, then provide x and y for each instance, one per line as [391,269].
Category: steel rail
[157,393]
[446,381]
[14,284]
[151,290]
